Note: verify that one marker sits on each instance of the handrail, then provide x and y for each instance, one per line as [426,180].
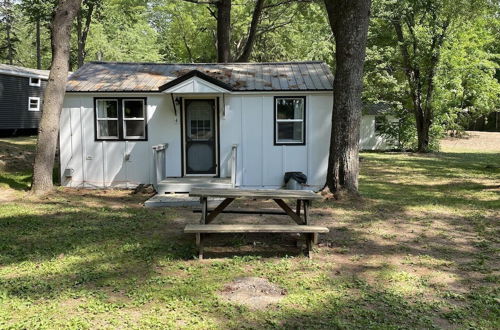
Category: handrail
[234,155]
[160,163]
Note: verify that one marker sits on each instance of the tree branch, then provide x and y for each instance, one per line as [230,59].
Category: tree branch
[252,32]
[437,42]
[287,2]
[411,70]
[203,2]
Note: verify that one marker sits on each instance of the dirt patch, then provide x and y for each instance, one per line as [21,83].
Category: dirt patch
[17,154]
[9,195]
[253,292]
[474,141]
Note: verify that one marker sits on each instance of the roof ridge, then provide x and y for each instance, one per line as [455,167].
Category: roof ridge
[229,63]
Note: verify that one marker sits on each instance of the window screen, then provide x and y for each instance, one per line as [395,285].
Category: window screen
[107,119]
[134,119]
[290,118]
[120,118]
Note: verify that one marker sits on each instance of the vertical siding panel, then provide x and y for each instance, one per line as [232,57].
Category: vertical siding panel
[308,136]
[134,170]
[93,156]
[262,153]
[163,128]
[149,151]
[241,153]
[76,154]
[65,143]
[252,140]
[319,140]
[104,163]
[273,155]
[114,156]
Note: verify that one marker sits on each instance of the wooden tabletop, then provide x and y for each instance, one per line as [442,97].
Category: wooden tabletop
[254,193]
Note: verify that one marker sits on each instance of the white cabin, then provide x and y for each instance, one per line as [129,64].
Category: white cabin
[182,125]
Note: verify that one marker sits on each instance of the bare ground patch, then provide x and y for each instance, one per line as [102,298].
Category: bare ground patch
[253,292]
[17,154]
[476,141]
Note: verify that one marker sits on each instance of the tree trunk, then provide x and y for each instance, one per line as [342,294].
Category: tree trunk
[53,96]
[10,53]
[83,32]
[38,45]
[8,30]
[79,52]
[349,22]
[423,127]
[252,32]
[223,28]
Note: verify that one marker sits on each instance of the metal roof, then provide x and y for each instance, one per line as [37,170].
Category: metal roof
[14,70]
[151,77]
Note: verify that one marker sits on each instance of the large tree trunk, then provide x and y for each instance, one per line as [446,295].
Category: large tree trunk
[349,22]
[252,32]
[223,28]
[53,96]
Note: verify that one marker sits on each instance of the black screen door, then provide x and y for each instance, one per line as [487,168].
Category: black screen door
[200,137]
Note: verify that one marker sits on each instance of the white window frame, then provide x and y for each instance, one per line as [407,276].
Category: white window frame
[99,136]
[277,141]
[38,84]
[33,98]
[143,119]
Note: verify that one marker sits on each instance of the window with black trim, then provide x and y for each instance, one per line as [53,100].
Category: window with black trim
[120,119]
[35,82]
[289,120]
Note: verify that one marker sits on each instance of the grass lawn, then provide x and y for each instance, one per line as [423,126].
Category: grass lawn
[420,250]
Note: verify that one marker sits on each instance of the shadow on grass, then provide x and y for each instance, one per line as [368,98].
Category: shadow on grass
[361,306]
[441,164]
[94,243]
[17,181]
[22,180]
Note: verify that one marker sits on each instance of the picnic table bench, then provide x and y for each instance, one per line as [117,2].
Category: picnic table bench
[300,215]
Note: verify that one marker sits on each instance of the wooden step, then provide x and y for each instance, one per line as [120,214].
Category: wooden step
[243,228]
[185,185]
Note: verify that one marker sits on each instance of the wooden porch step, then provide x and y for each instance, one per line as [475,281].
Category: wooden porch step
[185,185]
[244,228]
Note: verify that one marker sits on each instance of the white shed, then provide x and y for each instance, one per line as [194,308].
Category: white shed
[182,125]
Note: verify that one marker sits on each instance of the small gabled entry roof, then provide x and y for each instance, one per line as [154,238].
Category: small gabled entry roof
[195,82]
[235,77]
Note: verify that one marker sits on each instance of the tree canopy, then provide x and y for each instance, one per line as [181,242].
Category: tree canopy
[432,61]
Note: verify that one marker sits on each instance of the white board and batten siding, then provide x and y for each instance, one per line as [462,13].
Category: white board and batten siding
[247,120]
[97,164]
[261,164]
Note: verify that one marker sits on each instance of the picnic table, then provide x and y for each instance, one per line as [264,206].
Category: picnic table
[300,215]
